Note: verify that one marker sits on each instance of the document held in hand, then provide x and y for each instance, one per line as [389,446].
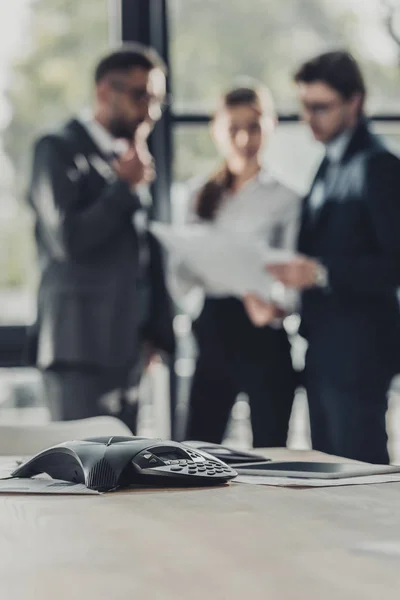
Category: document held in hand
[225,261]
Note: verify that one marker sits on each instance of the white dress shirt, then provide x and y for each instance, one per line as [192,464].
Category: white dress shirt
[264,208]
[334,152]
[103,139]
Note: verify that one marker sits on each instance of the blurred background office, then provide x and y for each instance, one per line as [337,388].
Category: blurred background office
[48,49]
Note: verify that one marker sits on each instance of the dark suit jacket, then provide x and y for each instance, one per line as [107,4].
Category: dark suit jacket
[88,251]
[353,326]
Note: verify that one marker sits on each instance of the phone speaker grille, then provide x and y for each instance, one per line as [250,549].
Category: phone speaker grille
[101,476]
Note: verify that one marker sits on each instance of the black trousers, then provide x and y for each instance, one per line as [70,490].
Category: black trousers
[222,373]
[348,418]
[74,392]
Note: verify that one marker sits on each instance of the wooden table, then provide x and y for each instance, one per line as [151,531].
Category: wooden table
[227,543]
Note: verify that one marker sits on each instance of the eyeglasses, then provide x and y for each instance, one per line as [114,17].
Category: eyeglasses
[142,95]
[320,109]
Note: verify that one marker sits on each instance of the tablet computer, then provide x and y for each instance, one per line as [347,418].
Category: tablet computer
[314,470]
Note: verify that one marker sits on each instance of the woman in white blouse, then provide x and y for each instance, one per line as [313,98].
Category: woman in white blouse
[235,355]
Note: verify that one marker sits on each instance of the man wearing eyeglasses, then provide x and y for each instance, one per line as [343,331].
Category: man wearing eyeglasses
[102,299]
[349,266]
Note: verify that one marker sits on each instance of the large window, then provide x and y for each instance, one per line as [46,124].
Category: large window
[47,51]
[215,44]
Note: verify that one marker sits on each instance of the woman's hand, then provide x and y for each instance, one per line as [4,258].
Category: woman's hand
[261,313]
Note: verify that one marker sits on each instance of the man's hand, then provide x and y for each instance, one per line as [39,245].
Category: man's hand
[300,273]
[130,167]
[147,160]
[142,148]
[261,313]
[136,165]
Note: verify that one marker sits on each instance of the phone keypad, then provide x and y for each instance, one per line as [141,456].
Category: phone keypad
[196,464]
[205,468]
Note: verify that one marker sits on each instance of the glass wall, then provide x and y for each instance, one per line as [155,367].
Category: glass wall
[215,44]
[47,51]
[48,48]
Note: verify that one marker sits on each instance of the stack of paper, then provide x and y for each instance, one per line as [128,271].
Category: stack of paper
[223,260]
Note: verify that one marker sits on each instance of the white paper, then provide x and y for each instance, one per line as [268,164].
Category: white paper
[235,263]
[305,483]
[384,548]
[41,484]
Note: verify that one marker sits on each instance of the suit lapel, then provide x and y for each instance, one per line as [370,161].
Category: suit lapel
[77,131]
[308,220]
[86,150]
[304,225]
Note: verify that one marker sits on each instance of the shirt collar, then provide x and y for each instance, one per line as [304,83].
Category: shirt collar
[103,139]
[265,175]
[336,148]
[260,178]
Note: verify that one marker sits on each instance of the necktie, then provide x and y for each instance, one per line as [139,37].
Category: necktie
[318,192]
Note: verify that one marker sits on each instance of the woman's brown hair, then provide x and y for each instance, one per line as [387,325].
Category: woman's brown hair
[210,195]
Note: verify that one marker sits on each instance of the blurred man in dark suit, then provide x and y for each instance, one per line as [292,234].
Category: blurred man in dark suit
[102,307]
[349,266]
